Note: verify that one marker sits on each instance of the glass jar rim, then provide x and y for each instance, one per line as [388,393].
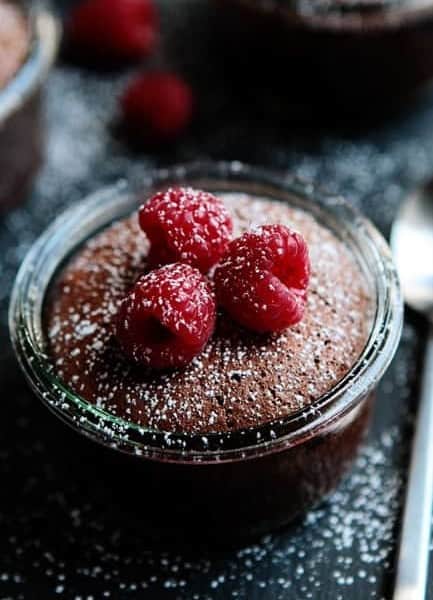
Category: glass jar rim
[102,208]
[44,42]
[389,16]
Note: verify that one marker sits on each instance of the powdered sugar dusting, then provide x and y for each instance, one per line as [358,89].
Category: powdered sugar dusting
[240,379]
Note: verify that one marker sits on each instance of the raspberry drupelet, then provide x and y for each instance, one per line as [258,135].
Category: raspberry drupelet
[167,318]
[186,225]
[262,281]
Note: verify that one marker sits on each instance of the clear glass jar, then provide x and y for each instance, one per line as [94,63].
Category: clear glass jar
[21,128]
[243,482]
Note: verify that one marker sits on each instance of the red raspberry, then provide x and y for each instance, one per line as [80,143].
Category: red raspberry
[263,279]
[114,29]
[186,225]
[167,317]
[157,106]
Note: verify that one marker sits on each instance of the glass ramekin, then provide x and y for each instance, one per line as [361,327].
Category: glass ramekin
[354,62]
[21,129]
[243,482]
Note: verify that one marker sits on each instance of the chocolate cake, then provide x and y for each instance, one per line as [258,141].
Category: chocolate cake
[241,379]
[14,40]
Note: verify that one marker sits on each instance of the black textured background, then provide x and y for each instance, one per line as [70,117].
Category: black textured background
[59,537]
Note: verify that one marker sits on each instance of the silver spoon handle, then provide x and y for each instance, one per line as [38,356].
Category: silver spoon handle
[413,559]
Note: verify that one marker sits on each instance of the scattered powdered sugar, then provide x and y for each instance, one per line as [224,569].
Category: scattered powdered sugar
[352,533]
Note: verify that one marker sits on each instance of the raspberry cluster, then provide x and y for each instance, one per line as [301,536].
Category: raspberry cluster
[260,279]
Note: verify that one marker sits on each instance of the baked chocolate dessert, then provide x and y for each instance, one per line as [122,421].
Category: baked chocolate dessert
[241,379]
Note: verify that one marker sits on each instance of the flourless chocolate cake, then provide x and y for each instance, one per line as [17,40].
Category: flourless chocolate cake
[241,379]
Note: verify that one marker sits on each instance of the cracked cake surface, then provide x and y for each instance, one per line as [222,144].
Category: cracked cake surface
[241,379]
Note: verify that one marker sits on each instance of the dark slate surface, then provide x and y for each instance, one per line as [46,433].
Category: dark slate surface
[59,537]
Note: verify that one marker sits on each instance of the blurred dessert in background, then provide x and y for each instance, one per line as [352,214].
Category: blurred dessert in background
[347,57]
[28,43]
